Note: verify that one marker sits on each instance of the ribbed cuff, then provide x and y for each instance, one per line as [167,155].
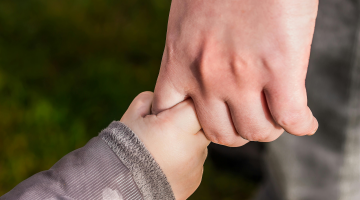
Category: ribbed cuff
[147,174]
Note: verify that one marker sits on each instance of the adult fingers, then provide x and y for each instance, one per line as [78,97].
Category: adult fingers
[288,106]
[252,118]
[165,93]
[216,121]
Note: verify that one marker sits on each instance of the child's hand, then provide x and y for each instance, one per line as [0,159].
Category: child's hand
[174,138]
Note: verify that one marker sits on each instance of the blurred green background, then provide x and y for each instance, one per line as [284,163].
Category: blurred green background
[70,67]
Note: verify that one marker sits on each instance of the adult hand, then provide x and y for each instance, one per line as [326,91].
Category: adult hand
[244,64]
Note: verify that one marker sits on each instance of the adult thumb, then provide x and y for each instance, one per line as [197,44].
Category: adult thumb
[165,93]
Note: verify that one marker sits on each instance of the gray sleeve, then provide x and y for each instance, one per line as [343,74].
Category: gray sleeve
[113,166]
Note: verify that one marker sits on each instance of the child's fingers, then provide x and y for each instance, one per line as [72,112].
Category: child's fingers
[199,144]
[181,117]
[201,139]
[140,106]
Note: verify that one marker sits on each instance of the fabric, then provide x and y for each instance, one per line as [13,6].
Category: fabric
[326,165]
[146,172]
[96,172]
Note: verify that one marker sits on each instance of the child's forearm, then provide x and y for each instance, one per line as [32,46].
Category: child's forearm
[126,170]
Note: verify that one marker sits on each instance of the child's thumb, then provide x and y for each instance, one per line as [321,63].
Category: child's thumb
[140,106]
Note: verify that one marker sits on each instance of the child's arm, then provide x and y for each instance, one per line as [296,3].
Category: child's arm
[163,160]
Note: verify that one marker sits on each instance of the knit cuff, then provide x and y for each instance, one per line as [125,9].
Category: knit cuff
[146,172]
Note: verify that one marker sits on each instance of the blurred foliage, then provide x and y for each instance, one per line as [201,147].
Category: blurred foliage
[70,67]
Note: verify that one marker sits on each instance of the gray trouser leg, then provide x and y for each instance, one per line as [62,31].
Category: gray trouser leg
[326,166]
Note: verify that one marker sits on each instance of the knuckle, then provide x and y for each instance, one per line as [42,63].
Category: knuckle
[240,65]
[204,70]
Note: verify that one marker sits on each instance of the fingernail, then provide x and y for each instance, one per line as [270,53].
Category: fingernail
[316,128]
[311,134]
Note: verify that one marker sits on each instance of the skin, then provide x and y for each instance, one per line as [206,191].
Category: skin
[175,140]
[244,64]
